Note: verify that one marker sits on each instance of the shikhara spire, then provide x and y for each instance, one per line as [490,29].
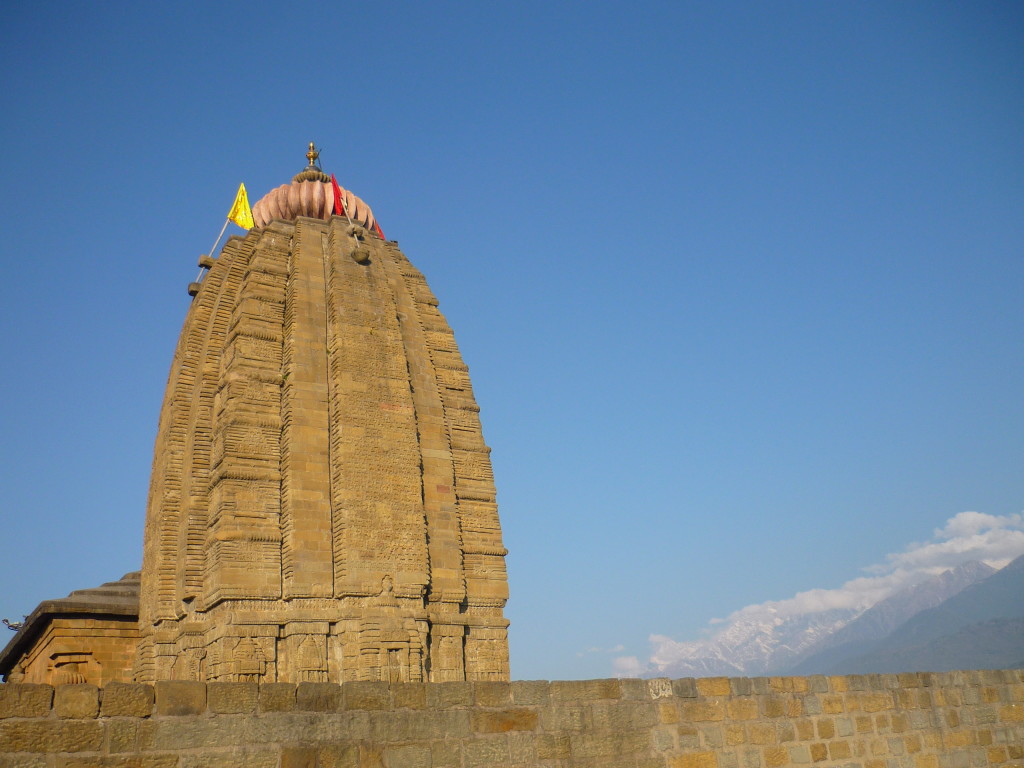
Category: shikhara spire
[322,506]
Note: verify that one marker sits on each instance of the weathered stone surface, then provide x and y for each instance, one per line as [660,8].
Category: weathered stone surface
[122,734]
[531,692]
[123,761]
[277,697]
[490,694]
[24,761]
[582,690]
[492,750]
[445,754]
[445,695]
[322,499]
[318,697]
[126,700]
[504,720]
[180,697]
[367,695]
[409,695]
[408,756]
[25,700]
[685,688]
[78,700]
[232,698]
[235,758]
[463,725]
[50,736]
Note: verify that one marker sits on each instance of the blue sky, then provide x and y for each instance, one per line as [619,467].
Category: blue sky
[739,284]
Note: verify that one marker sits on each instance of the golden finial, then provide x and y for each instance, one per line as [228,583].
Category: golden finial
[313,155]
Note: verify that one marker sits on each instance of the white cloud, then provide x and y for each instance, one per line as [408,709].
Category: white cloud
[627,666]
[992,539]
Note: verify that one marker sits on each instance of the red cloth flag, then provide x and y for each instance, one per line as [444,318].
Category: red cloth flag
[341,210]
[339,200]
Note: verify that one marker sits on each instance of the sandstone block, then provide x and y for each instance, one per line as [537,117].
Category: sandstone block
[704,759]
[1012,713]
[785,730]
[713,686]
[799,754]
[839,750]
[522,748]
[585,690]
[51,736]
[232,698]
[762,733]
[741,686]
[76,701]
[530,692]
[409,695]
[122,734]
[626,715]
[445,754]
[318,697]
[702,711]
[277,697]
[685,688]
[663,739]
[565,717]
[370,756]
[366,695]
[485,752]
[180,697]
[838,683]
[324,756]
[817,684]
[492,694]
[761,687]
[811,705]
[298,757]
[552,746]
[504,720]
[743,709]
[668,712]
[443,695]
[238,757]
[24,761]
[126,700]
[598,744]
[25,700]
[408,756]
[713,735]
[639,690]
[122,761]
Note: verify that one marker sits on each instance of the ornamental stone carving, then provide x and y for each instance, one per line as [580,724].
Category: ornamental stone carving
[322,507]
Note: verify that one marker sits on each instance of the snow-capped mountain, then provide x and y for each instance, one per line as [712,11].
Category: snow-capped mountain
[765,639]
[889,614]
[757,641]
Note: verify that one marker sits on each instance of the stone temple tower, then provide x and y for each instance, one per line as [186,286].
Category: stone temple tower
[322,506]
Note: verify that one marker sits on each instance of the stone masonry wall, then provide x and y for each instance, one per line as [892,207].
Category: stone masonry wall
[949,720]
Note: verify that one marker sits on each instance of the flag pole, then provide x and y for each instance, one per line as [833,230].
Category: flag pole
[214,248]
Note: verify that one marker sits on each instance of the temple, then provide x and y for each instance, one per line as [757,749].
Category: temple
[322,506]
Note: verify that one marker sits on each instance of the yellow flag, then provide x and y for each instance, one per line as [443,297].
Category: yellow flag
[240,212]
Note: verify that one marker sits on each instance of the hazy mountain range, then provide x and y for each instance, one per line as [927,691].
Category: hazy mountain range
[967,617]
